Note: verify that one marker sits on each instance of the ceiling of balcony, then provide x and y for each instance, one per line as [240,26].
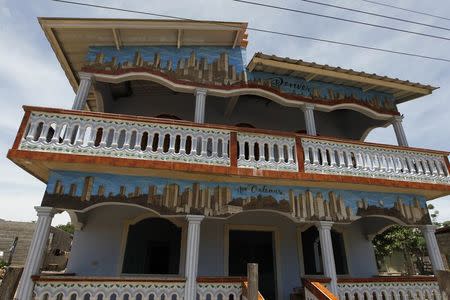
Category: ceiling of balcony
[71,37]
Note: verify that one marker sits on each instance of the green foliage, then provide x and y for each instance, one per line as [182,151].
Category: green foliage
[406,240]
[3,264]
[67,228]
[446,224]
[433,214]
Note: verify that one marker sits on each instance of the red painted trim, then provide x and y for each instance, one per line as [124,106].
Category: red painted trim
[21,131]
[300,154]
[311,279]
[217,126]
[67,279]
[388,279]
[233,149]
[16,155]
[214,279]
[237,86]
[319,290]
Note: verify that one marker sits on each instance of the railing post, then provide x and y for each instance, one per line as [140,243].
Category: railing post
[83,91]
[233,149]
[35,255]
[252,277]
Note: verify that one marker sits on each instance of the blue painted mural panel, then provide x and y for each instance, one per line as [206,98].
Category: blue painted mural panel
[74,190]
[322,90]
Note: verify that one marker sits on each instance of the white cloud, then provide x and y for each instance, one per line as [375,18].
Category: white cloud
[30,73]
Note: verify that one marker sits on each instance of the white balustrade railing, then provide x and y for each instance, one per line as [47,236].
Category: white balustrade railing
[267,152]
[340,158]
[147,139]
[390,289]
[69,289]
[85,135]
[227,290]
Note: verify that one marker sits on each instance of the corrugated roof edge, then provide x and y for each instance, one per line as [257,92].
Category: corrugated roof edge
[342,70]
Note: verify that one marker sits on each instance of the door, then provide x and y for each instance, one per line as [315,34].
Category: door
[253,247]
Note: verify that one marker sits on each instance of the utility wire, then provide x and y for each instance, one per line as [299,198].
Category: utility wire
[257,30]
[342,19]
[376,15]
[406,9]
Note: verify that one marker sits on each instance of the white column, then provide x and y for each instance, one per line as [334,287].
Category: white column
[428,232]
[192,249]
[326,245]
[35,256]
[200,102]
[399,132]
[83,91]
[308,111]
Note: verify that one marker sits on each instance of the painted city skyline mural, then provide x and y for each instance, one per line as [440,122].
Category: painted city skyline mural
[202,64]
[224,67]
[323,91]
[77,191]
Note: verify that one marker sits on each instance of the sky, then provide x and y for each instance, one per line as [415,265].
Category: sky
[31,75]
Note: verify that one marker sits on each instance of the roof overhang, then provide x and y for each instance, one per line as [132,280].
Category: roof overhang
[402,90]
[70,38]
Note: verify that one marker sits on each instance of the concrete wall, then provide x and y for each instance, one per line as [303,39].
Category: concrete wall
[150,99]
[361,259]
[96,250]
[443,239]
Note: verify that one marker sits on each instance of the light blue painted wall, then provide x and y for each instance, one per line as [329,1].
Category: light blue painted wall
[96,249]
[212,249]
[360,252]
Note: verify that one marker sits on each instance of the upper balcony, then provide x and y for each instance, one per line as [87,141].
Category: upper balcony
[55,139]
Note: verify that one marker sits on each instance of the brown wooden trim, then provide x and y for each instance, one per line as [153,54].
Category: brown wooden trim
[41,278]
[214,279]
[388,279]
[316,279]
[447,164]
[234,155]
[15,155]
[218,126]
[319,290]
[300,154]
[21,131]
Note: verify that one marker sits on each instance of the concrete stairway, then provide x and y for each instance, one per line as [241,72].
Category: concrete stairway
[8,231]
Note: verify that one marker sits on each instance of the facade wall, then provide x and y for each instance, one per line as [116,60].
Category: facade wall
[443,238]
[96,249]
[361,259]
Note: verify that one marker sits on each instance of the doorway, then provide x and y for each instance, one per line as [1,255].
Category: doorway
[254,247]
[153,247]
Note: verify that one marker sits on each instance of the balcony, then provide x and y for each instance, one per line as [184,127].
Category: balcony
[97,288]
[414,288]
[78,139]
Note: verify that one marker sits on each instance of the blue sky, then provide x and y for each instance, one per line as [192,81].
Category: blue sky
[30,73]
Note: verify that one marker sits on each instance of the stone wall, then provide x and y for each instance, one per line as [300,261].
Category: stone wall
[443,238]
[59,244]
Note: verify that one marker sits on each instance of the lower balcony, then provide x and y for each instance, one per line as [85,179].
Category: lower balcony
[377,288]
[227,288]
[75,140]
[95,288]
